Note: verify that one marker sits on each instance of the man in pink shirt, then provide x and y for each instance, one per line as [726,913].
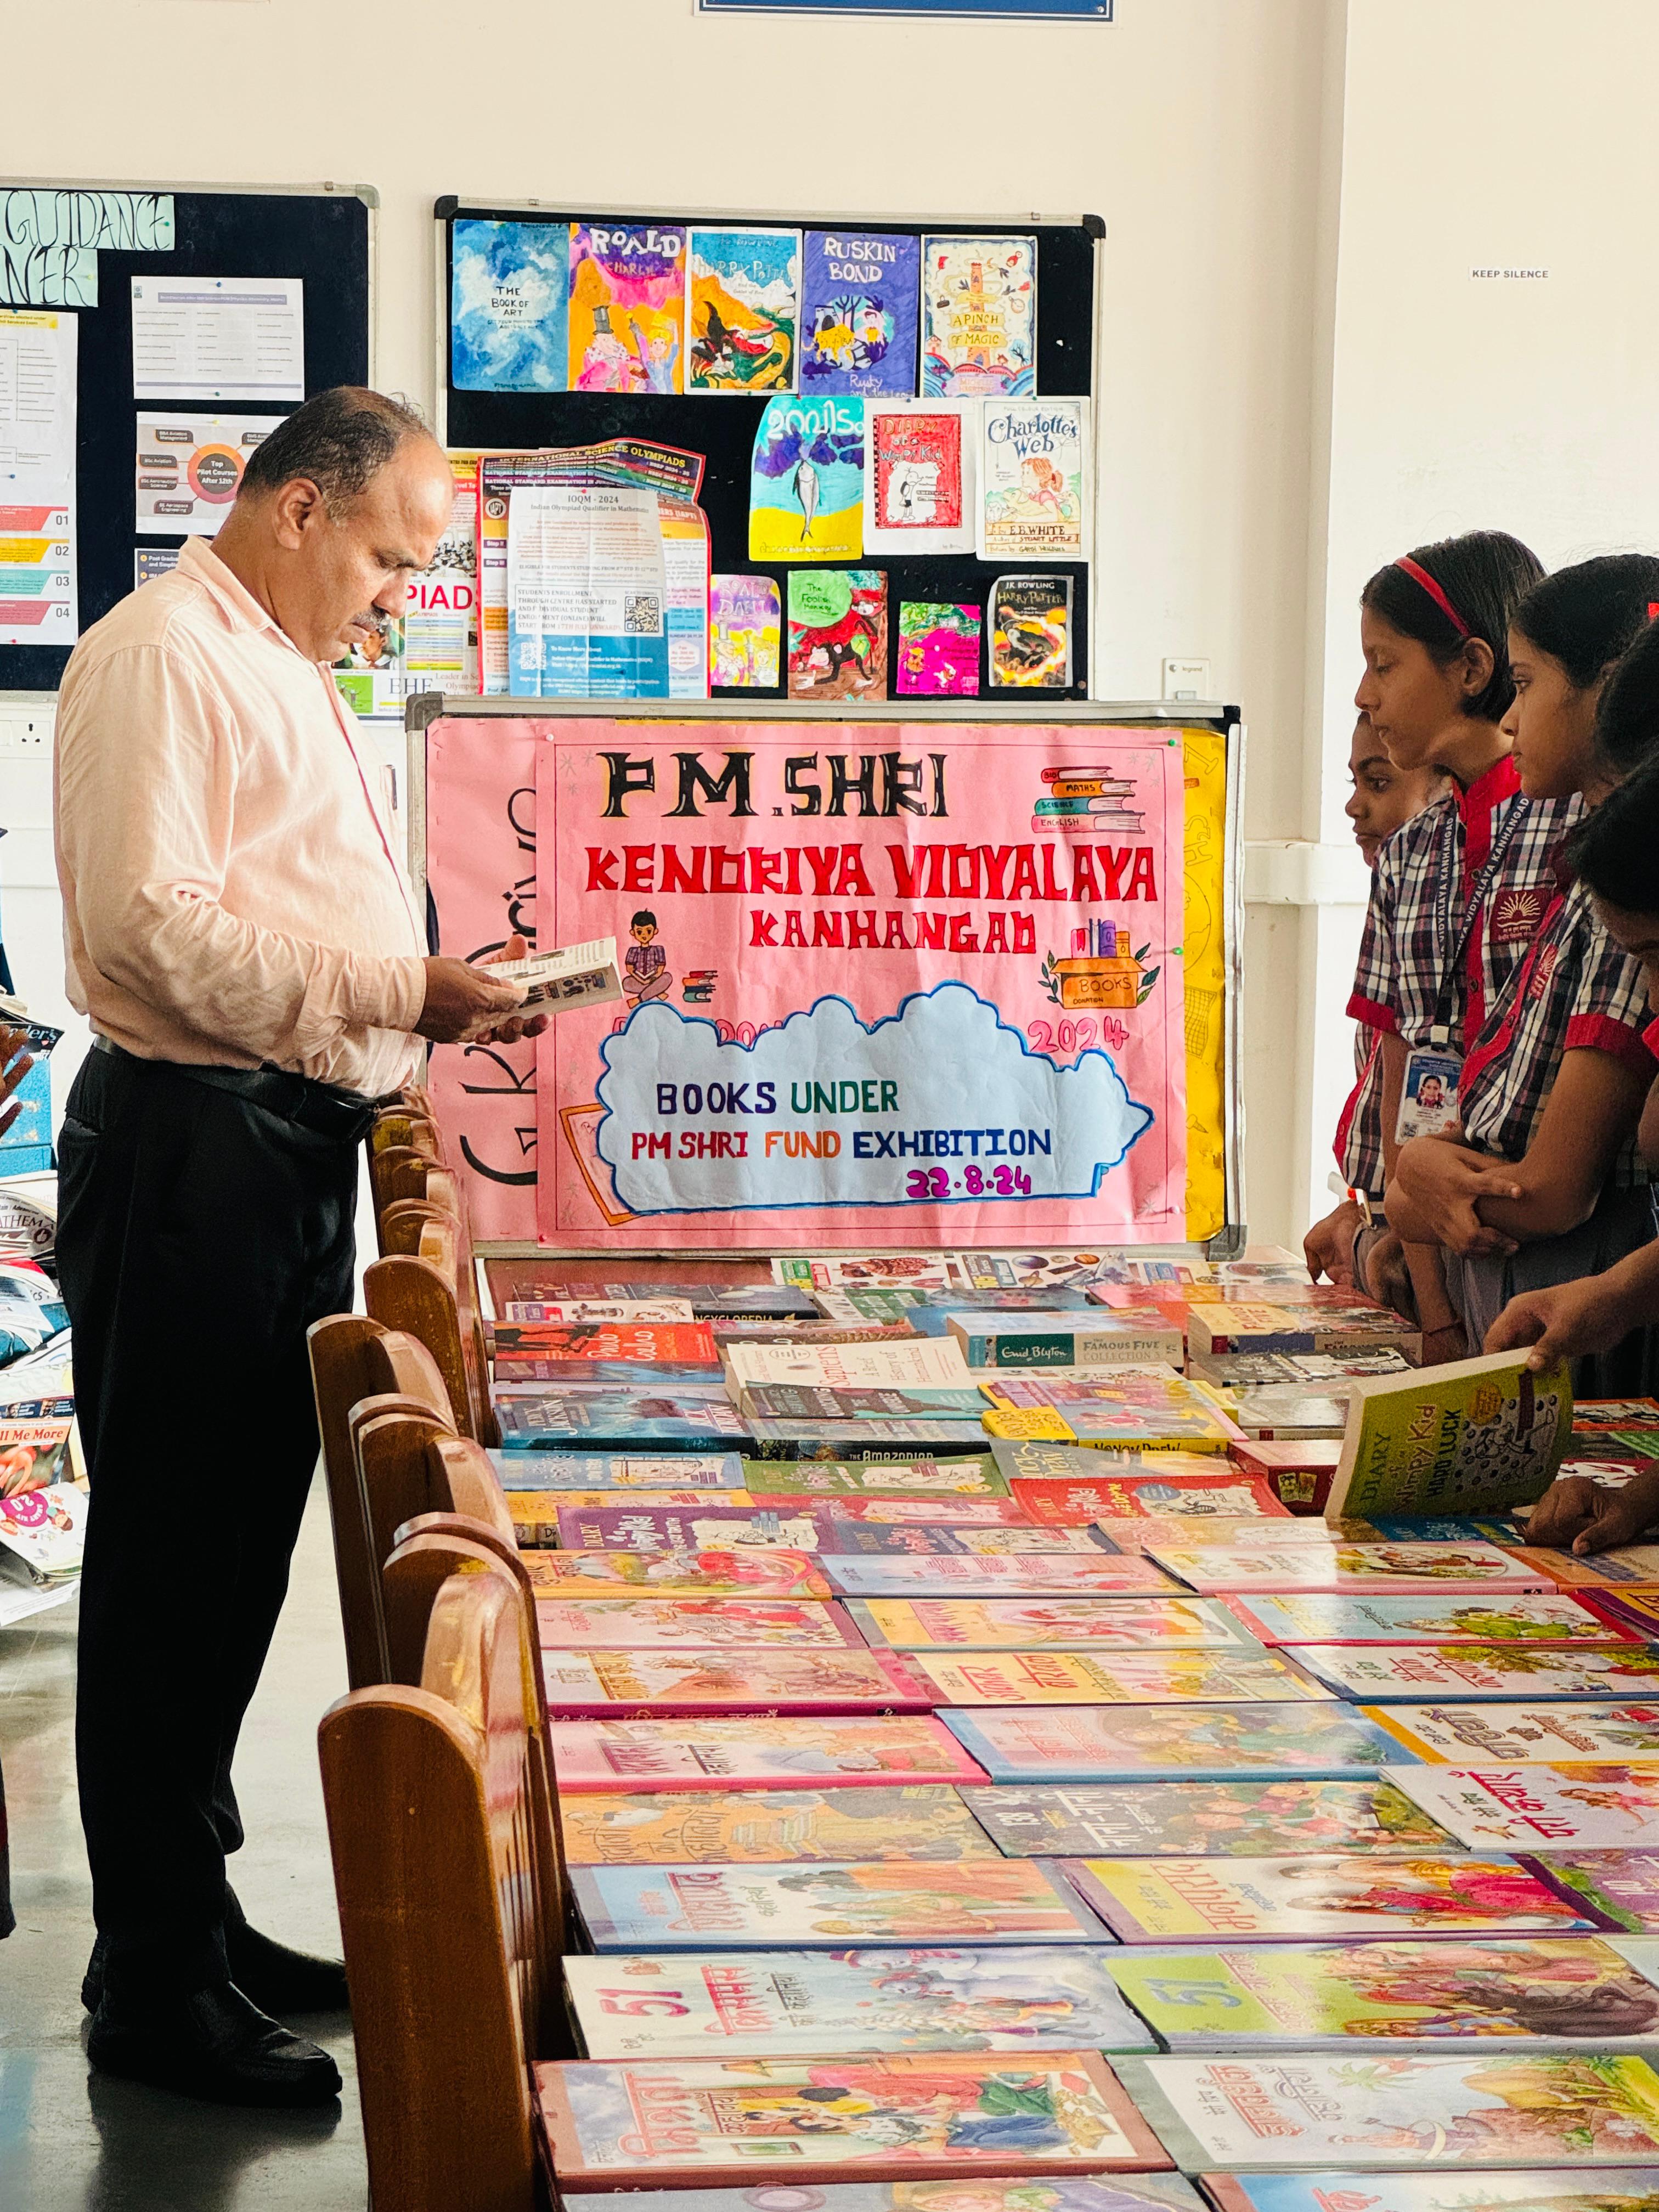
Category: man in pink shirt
[239,929]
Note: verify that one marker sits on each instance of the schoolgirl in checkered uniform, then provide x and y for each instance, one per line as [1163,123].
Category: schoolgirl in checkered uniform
[1458,891]
[1545,1182]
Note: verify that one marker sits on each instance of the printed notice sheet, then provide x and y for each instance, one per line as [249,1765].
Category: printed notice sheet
[218,337]
[189,467]
[37,477]
[585,586]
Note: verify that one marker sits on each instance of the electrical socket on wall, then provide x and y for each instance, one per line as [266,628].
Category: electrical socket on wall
[25,736]
[1187,679]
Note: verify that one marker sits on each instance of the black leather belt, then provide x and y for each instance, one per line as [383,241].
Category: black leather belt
[345,1115]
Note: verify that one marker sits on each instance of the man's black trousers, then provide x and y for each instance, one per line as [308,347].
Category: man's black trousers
[199,1235]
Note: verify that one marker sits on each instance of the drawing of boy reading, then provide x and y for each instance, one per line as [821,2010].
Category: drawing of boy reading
[645,969]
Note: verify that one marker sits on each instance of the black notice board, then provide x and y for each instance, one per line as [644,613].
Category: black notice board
[321,237]
[722,425]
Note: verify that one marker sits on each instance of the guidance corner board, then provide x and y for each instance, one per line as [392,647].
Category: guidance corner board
[872,1000]
[319,235]
[721,425]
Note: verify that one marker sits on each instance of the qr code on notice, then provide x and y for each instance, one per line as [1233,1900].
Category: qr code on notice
[642,613]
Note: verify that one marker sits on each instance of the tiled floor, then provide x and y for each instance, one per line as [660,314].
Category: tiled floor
[73,2141]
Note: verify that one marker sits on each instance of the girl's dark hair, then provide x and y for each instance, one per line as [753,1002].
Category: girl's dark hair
[1485,574]
[1611,851]
[1627,712]
[1586,616]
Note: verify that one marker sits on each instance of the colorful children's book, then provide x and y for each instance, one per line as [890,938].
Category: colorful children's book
[1006,1624]
[974,1477]
[938,647]
[1630,2189]
[1039,1341]
[908,1901]
[861,294]
[627,306]
[577,1343]
[1195,1743]
[1139,2192]
[1472,1436]
[804,1402]
[1035,1998]
[1229,1330]
[1616,1414]
[750,1572]
[979,300]
[1577,1806]
[583,1685]
[1117,1677]
[745,633]
[622,1472]
[1225,1532]
[872,1538]
[1062,1574]
[1636,1612]
[1622,1886]
[806,483]
[1029,1459]
[924,1513]
[1030,634]
[900,1437]
[756,1754]
[509,291]
[536,1512]
[1335,2121]
[1034,459]
[1299,1617]
[1414,1671]
[1361,1567]
[1508,1992]
[903,1365]
[574,1418]
[1202,1900]
[649,1528]
[1126,1407]
[633,1623]
[614,1310]
[742,1827]
[837,645]
[516,1368]
[1175,1497]
[921,489]
[1206,1820]
[1522,1735]
[755,2122]
[743,312]
[1633,1566]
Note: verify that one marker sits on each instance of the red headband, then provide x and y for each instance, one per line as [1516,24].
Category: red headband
[1419,575]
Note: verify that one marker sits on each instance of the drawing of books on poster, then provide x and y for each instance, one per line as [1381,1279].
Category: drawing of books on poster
[1088,802]
[1100,971]
[698,987]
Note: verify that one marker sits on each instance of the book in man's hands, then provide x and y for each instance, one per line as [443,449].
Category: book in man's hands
[1467,1437]
[578,975]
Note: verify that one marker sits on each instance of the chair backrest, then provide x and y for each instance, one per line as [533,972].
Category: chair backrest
[354,1358]
[430,1294]
[442,1865]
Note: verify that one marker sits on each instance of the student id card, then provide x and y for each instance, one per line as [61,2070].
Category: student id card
[1428,1096]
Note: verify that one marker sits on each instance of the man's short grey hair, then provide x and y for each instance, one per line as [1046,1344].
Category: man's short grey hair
[337,440]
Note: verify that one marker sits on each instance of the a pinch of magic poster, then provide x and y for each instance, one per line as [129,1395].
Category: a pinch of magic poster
[878,990]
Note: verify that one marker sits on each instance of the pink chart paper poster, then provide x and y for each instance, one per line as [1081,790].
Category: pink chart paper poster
[863,1004]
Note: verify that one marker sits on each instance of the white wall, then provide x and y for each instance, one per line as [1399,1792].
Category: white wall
[1197,131]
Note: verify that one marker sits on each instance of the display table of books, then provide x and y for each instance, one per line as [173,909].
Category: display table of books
[1052,1734]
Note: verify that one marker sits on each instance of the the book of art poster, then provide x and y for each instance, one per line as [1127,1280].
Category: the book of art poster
[938,647]
[806,480]
[509,294]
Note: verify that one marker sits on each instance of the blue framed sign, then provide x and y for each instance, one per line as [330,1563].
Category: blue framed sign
[1099,11]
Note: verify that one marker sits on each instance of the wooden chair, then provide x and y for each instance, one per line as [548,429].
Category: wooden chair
[430,1293]
[451,1925]
[354,1358]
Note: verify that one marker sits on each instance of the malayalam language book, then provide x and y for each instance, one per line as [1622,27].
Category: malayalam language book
[1276,1901]
[631,1623]
[806,481]
[1508,1992]
[1032,1997]
[1623,1885]
[1056,2192]
[1410,1673]
[1105,1743]
[705,1526]
[1577,1805]
[1118,1678]
[759,1753]
[1297,1617]
[1206,1820]
[752,1571]
[769,2121]
[946,1623]
[973,1476]
[770,1827]
[901,1901]
[1336,2120]
[1366,1567]
[581,1685]
[1062,1574]
[1522,1735]
[878,1539]
[927,1513]
[1474,1435]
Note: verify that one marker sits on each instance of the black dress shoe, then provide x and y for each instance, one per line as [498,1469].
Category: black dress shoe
[277,1980]
[211,2043]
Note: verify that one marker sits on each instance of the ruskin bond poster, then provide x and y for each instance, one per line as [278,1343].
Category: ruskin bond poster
[860,1005]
